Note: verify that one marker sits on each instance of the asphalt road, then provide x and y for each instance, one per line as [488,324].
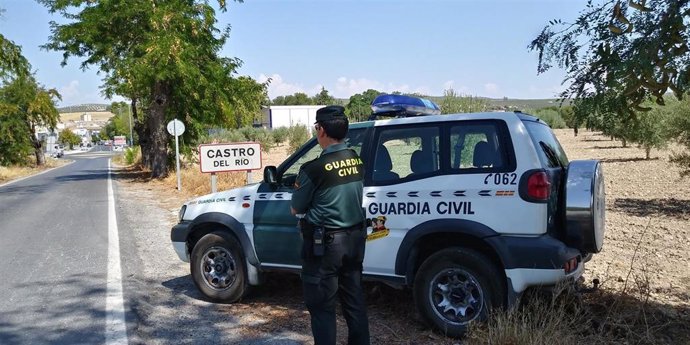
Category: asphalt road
[54,255]
[55,288]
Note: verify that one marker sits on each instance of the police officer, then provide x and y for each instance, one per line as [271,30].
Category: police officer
[328,192]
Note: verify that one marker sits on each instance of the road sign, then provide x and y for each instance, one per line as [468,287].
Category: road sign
[175,127]
[215,158]
[119,140]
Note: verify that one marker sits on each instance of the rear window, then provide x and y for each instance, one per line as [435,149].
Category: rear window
[545,142]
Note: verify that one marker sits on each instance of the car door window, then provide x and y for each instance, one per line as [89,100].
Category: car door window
[476,146]
[405,153]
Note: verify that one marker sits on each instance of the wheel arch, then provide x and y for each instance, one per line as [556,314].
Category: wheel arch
[429,237]
[214,221]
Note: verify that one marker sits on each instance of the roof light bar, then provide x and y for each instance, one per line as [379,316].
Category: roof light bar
[402,106]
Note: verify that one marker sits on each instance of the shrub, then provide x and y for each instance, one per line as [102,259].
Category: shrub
[551,117]
[131,155]
[280,134]
[298,136]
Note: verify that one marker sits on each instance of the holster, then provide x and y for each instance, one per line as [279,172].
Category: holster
[313,239]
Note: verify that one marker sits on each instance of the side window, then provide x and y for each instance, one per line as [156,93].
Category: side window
[476,146]
[403,153]
[354,139]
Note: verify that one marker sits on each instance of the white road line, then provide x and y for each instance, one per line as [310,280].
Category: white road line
[115,326]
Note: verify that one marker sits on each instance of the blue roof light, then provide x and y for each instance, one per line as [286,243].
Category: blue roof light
[402,106]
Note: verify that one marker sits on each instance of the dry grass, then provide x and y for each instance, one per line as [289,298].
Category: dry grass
[14,172]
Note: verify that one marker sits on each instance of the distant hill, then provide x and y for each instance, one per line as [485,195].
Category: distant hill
[84,108]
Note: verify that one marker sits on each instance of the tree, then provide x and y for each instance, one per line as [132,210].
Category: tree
[298,98]
[27,102]
[359,106]
[618,55]
[68,138]
[163,56]
[323,98]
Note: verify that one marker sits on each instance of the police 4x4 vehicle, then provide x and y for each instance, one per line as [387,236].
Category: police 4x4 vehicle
[469,210]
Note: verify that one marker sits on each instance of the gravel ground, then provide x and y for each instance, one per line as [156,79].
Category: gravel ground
[645,250]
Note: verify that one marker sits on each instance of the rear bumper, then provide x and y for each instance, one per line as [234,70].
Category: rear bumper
[535,261]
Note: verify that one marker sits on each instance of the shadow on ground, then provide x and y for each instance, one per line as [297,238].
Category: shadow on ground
[671,207]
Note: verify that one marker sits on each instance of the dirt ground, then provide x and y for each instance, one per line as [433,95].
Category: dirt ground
[644,263]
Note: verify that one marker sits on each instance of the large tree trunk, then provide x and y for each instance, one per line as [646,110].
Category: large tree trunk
[143,133]
[158,136]
[38,151]
[38,146]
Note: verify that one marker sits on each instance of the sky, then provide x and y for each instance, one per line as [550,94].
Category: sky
[476,47]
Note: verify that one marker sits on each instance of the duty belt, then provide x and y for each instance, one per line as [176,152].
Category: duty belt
[358,226]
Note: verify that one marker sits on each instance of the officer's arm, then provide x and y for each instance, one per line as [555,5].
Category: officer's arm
[303,194]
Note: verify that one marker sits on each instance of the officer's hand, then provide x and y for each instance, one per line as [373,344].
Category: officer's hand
[293,211]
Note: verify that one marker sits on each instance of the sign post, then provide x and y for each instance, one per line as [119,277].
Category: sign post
[176,128]
[215,158]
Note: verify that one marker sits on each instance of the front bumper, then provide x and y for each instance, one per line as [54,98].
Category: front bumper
[178,236]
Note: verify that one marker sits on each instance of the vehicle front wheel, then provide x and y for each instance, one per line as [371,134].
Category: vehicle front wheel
[217,266]
[457,286]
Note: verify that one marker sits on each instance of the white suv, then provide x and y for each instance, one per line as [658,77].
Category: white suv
[468,210]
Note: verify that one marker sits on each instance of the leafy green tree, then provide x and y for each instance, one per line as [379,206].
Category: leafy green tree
[634,50]
[26,101]
[651,130]
[298,98]
[619,55]
[14,144]
[68,138]
[359,106]
[12,62]
[163,56]
[116,126]
[323,98]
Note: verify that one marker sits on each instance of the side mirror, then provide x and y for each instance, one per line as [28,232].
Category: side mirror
[271,174]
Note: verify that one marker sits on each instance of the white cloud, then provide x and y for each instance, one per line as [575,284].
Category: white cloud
[492,89]
[70,91]
[279,87]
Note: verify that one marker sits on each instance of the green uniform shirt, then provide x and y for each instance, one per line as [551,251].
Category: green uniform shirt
[329,188]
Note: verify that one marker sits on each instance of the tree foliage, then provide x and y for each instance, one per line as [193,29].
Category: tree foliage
[26,106]
[323,98]
[619,54]
[298,98]
[68,138]
[359,106]
[164,57]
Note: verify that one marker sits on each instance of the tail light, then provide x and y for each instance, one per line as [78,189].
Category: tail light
[539,186]
[570,265]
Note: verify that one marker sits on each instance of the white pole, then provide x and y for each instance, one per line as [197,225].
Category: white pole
[214,181]
[249,176]
[177,155]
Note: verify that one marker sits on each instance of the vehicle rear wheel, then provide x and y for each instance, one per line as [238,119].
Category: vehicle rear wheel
[457,286]
[217,266]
